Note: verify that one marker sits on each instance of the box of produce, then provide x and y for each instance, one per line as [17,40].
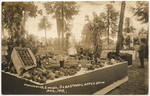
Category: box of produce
[120,57]
[126,57]
[23,59]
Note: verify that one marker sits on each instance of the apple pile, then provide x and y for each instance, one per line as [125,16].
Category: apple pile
[70,69]
[26,57]
[93,66]
[8,67]
[40,75]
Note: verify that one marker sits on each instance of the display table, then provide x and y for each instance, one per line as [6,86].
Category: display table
[98,81]
[134,53]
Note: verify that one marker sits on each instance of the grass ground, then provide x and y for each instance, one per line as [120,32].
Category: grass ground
[137,83]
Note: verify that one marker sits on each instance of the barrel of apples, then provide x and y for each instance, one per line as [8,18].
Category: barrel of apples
[98,81]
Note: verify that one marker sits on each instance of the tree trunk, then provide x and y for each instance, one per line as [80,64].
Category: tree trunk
[2,25]
[120,26]
[24,19]
[58,22]
[45,38]
[11,43]
[62,29]
[22,27]
[108,24]
[128,26]
[3,30]
[62,38]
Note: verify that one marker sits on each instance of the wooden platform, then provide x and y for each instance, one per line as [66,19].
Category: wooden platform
[111,87]
[98,81]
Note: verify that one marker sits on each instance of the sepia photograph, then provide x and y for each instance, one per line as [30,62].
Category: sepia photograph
[74,47]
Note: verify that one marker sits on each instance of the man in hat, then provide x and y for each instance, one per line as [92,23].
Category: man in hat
[142,53]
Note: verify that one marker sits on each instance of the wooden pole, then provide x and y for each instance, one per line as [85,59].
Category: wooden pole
[120,26]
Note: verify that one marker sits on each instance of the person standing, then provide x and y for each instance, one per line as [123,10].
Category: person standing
[128,42]
[61,63]
[142,53]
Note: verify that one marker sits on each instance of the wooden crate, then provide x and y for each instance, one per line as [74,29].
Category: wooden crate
[20,62]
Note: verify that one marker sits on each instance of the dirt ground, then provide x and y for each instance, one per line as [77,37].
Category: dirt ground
[137,83]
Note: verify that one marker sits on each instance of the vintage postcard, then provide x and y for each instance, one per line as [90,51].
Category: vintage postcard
[74,47]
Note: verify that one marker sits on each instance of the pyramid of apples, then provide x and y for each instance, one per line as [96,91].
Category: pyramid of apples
[26,57]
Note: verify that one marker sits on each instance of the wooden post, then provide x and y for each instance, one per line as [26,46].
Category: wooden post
[120,26]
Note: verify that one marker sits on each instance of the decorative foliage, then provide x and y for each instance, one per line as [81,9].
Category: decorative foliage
[63,12]
[31,42]
[69,9]
[128,26]
[112,19]
[142,32]
[44,24]
[141,11]
[12,14]
[91,33]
